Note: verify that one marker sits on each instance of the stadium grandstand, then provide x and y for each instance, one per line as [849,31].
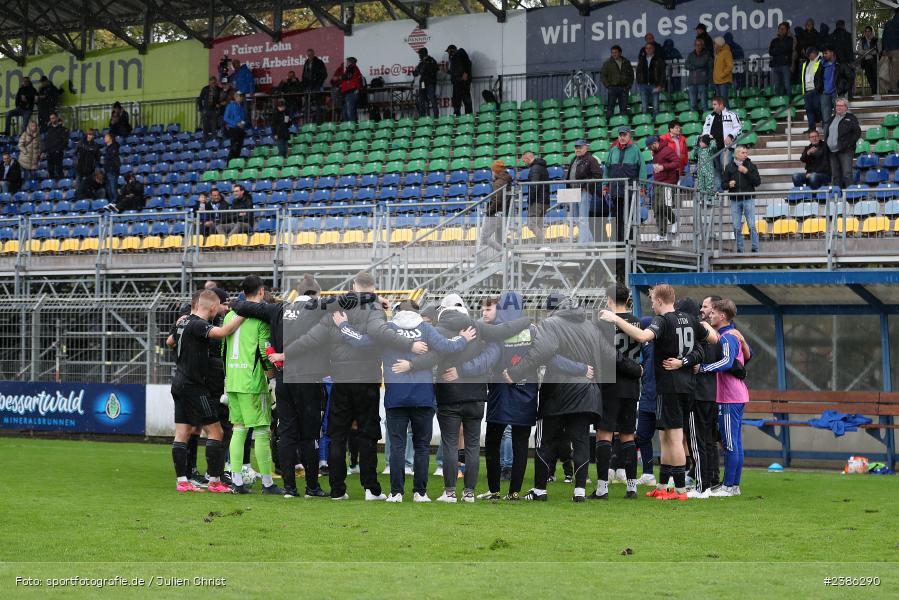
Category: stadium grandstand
[155,148]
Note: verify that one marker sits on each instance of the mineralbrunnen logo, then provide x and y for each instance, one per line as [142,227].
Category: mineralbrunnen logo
[113,407]
[418,39]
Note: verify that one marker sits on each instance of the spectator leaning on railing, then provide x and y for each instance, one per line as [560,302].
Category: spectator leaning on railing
[119,124]
[584,166]
[841,134]
[816,158]
[314,75]
[665,166]
[741,178]
[623,161]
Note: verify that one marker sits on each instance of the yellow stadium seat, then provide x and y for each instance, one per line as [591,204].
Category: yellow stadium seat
[452,234]
[782,227]
[400,236]
[814,226]
[471,235]
[50,246]
[329,238]
[11,247]
[151,242]
[195,240]
[112,243]
[761,226]
[216,240]
[354,236]
[172,242]
[90,245]
[305,238]
[874,225]
[258,239]
[896,227]
[284,239]
[237,240]
[527,234]
[370,236]
[132,242]
[69,245]
[558,231]
[851,225]
[427,236]
[35,246]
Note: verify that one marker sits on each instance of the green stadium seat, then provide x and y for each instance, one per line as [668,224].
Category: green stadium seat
[688,116]
[506,150]
[394,166]
[618,121]
[886,147]
[641,119]
[862,147]
[508,116]
[414,166]
[343,136]
[270,173]
[339,147]
[765,126]
[405,122]
[486,107]
[262,151]
[378,145]
[347,126]
[239,163]
[875,134]
[529,115]
[396,155]
[310,171]
[418,154]
[529,125]
[460,164]
[664,117]
[465,129]
[643,131]
[573,122]
[460,151]
[597,133]
[210,176]
[593,111]
[443,141]
[778,102]
[552,148]
[891,120]
[465,119]
[331,170]
[485,138]
[443,130]
[750,139]
[275,161]
[528,105]
[441,152]
[426,121]
[572,102]
[291,172]
[319,148]
[294,160]
[550,103]
[486,150]
[571,111]
[573,134]
[528,137]
[463,140]
[365,126]
[355,157]
[597,121]
[372,168]
[760,112]
[552,135]
[483,162]
[334,158]
[505,138]
[485,127]
[315,159]
[438,165]
[329,127]
[593,101]
[228,175]
[599,145]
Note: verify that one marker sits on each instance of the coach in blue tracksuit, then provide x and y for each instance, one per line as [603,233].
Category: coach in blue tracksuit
[646,416]
[409,394]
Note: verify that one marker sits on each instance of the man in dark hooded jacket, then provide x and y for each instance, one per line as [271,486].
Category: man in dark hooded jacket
[567,402]
[356,375]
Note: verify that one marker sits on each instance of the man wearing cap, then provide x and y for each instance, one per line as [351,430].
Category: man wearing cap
[665,165]
[623,162]
[235,123]
[460,75]
[584,166]
[617,75]
[426,71]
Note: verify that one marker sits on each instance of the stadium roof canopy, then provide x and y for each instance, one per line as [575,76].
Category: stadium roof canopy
[66,22]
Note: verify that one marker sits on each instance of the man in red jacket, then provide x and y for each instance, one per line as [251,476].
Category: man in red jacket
[678,142]
[350,88]
[665,167]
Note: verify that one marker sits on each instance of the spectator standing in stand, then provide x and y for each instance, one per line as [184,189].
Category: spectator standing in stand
[702,33]
[242,78]
[869,51]
[808,76]
[890,48]
[56,140]
[10,175]
[350,89]
[314,75]
[617,76]
[723,72]
[24,105]
[781,50]
[208,106]
[650,77]
[460,76]
[741,178]
[235,124]
[538,192]
[699,68]
[112,164]
[841,133]
[119,124]
[87,157]
[291,89]
[665,166]
[832,79]
[678,143]
[30,150]
[46,99]
[336,96]
[426,71]
[807,38]
[281,122]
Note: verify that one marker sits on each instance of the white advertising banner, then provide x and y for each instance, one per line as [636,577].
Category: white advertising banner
[390,49]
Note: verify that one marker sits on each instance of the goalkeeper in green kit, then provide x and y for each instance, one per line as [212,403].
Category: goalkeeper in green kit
[246,385]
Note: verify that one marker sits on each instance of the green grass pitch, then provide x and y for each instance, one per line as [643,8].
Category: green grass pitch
[101,510]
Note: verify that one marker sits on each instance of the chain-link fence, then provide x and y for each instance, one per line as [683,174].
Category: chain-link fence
[89,340]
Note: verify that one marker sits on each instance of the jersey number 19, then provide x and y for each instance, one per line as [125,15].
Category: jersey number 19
[684,340]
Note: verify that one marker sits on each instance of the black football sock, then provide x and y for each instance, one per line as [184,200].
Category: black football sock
[179,459]
[629,454]
[192,444]
[664,475]
[603,456]
[215,458]
[680,478]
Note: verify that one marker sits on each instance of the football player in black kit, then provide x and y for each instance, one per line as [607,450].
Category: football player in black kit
[193,406]
[619,404]
[675,335]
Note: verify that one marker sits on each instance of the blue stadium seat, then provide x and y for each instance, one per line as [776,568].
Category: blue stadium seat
[178,228]
[63,207]
[857,192]
[155,203]
[332,223]
[305,183]
[828,192]
[867,161]
[203,187]
[368,181]
[875,176]
[891,208]
[325,183]
[321,196]
[390,179]
[386,193]
[44,208]
[434,191]
[42,233]
[358,222]
[159,228]
[299,196]
[278,198]
[482,175]
[183,189]
[435,177]
[556,172]
[410,192]
[523,174]
[176,202]
[81,231]
[891,161]
[365,194]
[262,185]
[460,190]
[62,232]
[800,194]
[886,191]
[458,177]
[481,189]
[265,225]
[284,185]
[413,179]
[343,194]
[68,195]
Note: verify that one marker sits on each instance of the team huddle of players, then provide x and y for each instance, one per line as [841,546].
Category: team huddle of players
[568,374]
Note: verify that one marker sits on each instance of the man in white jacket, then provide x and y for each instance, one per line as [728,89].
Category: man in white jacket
[725,127]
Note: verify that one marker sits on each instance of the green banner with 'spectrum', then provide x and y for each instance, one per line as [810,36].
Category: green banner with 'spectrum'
[167,71]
